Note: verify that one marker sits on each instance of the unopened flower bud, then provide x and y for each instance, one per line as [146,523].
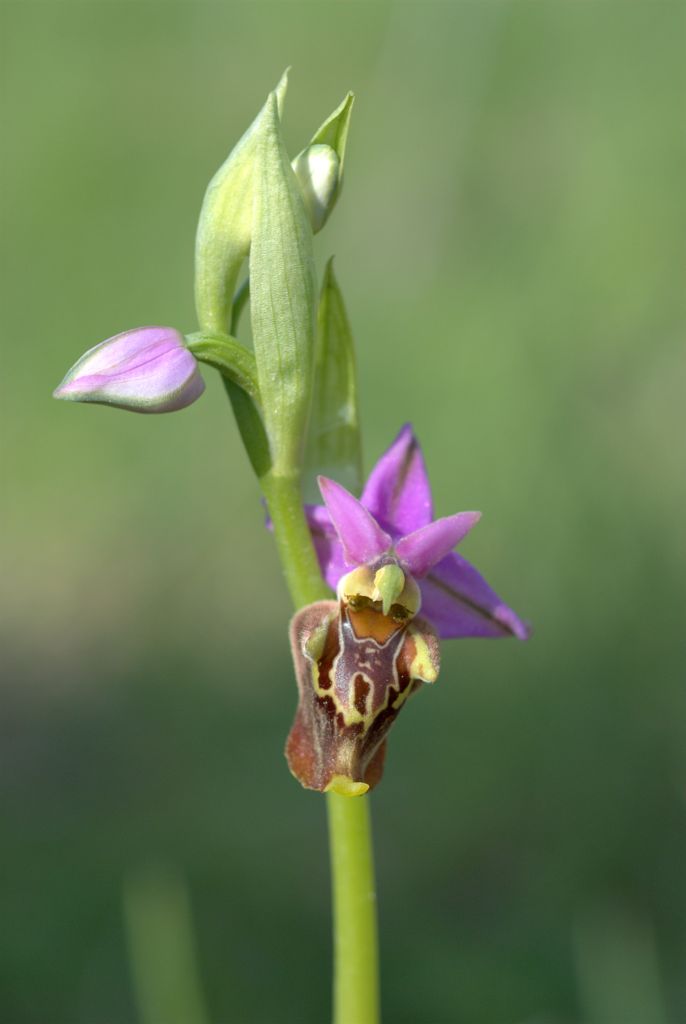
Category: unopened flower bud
[148,369]
[317,170]
[319,167]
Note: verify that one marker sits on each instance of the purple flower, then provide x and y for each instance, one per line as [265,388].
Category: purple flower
[148,369]
[394,520]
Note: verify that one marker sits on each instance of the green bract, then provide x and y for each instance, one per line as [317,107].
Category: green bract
[225,227]
[261,207]
[334,131]
[334,446]
[282,296]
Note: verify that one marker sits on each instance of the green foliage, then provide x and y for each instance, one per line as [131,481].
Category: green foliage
[334,446]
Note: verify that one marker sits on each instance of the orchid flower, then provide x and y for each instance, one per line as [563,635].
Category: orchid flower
[394,518]
[359,658]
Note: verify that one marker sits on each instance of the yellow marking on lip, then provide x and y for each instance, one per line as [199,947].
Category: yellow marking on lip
[314,645]
[351,715]
[370,624]
[423,666]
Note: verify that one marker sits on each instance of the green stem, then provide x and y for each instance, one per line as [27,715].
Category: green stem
[356,987]
[234,361]
[293,540]
[237,366]
[356,971]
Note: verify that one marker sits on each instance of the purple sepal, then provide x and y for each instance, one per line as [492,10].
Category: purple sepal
[327,545]
[455,598]
[362,538]
[397,492]
[458,601]
[148,369]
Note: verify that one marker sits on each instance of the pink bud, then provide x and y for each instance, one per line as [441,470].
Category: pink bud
[148,369]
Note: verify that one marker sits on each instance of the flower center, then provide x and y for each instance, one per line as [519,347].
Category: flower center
[385,588]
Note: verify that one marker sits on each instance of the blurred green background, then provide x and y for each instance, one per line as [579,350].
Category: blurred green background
[512,246]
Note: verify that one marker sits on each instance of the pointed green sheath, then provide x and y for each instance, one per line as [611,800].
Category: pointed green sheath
[334,446]
[319,167]
[224,228]
[282,297]
[334,131]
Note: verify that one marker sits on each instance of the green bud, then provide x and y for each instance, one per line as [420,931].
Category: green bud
[282,296]
[317,171]
[334,446]
[224,229]
[319,167]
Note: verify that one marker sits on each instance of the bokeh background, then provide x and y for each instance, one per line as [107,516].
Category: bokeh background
[512,247]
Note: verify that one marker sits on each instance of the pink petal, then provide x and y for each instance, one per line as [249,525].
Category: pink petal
[148,369]
[424,548]
[362,538]
[397,492]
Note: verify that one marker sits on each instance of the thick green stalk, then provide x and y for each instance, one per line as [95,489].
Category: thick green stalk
[356,986]
[293,540]
[356,972]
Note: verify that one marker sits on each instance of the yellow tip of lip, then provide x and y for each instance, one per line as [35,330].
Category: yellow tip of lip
[345,786]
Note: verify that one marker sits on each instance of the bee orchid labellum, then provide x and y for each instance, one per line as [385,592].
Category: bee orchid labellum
[357,661]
